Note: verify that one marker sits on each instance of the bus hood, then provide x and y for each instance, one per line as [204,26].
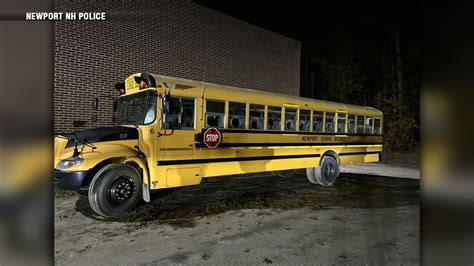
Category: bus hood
[108,142]
[101,134]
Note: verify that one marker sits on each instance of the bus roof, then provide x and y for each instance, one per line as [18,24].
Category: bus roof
[231,93]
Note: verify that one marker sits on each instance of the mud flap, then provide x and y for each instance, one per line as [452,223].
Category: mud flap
[145,192]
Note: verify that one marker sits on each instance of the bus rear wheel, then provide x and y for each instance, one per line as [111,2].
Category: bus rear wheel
[114,190]
[325,174]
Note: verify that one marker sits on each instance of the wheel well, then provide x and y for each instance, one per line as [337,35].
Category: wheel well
[331,153]
[136,166]
[91,173]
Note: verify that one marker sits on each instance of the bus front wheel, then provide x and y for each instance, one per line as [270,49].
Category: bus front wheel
[325,174]
[114,190]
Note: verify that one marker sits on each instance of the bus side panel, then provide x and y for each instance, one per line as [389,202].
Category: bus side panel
[244,167]
[183,176]
[372,154]
[191,174]
[368,158]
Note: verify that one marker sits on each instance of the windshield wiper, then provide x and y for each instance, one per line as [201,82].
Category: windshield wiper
[76,140]
[89,144]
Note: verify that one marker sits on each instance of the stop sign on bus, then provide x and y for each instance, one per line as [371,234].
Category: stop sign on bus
[212,137]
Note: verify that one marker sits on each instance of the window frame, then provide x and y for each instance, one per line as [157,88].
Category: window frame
[205,111]
[313,113]
[371,126]
[281,116]
[195,114]
[355,123]
[296,118]
[380,125]
[345,122]
[246,116]
[264,115]
[334,123]
[299,120]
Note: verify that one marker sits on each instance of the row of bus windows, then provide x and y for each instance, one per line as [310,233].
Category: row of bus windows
[333,122]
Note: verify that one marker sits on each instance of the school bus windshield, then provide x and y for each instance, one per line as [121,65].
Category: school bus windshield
[137,109]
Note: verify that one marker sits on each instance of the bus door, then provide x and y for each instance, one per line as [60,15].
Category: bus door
[179,126]
[178,131]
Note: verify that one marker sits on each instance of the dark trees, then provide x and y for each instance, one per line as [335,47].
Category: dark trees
[377,68]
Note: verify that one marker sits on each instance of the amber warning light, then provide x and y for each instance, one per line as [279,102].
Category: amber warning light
[55,16]
[120,88]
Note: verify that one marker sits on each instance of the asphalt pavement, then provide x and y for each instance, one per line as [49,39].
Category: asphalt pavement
[370,216]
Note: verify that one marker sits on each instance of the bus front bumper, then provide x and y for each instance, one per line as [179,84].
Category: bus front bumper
[69,180]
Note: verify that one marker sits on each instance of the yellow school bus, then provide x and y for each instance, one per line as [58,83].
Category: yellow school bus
[174,132]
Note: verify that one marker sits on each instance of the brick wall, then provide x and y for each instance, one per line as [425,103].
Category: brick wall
[175,38]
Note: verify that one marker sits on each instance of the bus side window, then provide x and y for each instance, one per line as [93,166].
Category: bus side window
[237,115]
[181,115]
[274,118]
[257,116]
[341,122]
[368,125]
[377,127]
[351,124]
[290,119]
[360,124]
[318,124]
[305,120]
[330,122]
[215,113]
[188,114]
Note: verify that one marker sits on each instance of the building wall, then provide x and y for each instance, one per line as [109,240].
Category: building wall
[175,38]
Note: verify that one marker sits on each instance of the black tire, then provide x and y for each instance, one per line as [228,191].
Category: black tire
[325,174]
[115,190]
[310,175]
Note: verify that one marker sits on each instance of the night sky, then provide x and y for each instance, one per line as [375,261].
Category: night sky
[312,22]
[319,25]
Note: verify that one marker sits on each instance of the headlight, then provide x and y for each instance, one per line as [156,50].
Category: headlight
[69,162]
